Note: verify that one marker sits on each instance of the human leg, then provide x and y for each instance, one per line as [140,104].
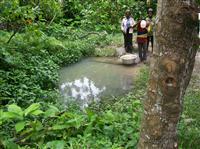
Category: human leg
[140,51]
[148,40]
[144,50]
[124,40]
[152,43]
[129,43]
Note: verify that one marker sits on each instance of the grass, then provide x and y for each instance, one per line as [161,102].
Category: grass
[189,126]
[116,41]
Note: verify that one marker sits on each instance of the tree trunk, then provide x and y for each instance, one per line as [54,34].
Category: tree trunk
[170,72]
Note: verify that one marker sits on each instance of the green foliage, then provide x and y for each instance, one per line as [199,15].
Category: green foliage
[189,127]
[29,64]
[101,15]
[109,51]
[50,127]
[15,17]
[26,72]
[25,12]
[198,2]
[50,9]
[115,125]
[89,15]
[109,14]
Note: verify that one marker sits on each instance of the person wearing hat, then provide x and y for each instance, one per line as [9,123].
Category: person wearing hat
[127,26]
[150,20]
[142,39]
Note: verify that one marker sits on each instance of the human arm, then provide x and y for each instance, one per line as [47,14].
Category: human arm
[122,25]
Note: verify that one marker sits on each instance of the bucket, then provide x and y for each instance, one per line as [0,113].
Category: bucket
[128,59]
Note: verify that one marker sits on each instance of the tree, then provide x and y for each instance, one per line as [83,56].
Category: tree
[176,44]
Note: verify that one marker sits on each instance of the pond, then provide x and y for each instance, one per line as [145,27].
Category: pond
[95,78]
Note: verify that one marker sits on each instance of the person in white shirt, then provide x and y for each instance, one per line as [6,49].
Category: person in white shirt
[127,26]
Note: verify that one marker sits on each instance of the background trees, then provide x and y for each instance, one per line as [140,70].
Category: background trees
[90,15]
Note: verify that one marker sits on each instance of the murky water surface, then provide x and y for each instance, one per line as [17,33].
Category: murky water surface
[93,78]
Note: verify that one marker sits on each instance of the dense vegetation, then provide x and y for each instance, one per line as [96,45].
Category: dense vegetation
[40,36]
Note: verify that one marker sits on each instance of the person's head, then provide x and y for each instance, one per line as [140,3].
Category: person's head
[150,12]
[128,13]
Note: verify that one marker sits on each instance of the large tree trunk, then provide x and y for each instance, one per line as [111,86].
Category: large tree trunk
[170,72]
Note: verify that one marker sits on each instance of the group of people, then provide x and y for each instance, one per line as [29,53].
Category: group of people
[144,33]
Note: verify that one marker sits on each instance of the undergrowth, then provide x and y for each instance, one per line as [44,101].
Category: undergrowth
[115,125]
[29,63]
[189,126]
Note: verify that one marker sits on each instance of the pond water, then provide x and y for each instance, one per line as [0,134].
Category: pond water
[94,78]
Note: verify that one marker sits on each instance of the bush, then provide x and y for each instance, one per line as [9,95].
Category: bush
[29,64]
[114,126]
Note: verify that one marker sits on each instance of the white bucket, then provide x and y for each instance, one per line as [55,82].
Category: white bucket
[128,59]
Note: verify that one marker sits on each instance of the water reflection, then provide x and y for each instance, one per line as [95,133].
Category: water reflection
[82,90]
[91,80]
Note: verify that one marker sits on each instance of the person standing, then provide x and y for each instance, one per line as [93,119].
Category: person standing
[127,25]
[150,20]
[142,39]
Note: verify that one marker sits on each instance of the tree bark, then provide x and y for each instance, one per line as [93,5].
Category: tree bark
[170,72]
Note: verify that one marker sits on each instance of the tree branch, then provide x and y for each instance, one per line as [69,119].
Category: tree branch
[52,19]
[11,37]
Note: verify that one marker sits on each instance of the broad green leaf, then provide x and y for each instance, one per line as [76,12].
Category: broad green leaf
[1,114]
[59,127]
[1,117]
[91,115]
[38,125]
[53,107]
[136,103]
[31,108]
[9,144]
[75,122]
[51,111]
[37,112]
[20,126]
[15,109]
[56,144]
[12,115]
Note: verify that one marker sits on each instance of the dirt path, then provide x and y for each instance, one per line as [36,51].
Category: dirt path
[197,65]
[195,82]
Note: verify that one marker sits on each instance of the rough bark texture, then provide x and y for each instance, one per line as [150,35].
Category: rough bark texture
[170,72]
